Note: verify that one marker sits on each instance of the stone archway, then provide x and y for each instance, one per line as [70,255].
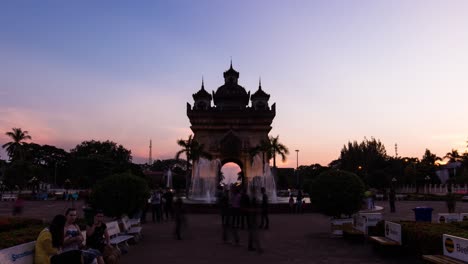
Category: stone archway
[230,128]
[238,163]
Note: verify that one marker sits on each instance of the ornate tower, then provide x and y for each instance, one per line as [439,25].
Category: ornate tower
[231,128]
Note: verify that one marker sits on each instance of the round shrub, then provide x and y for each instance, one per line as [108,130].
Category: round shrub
[120,194]
[336,193]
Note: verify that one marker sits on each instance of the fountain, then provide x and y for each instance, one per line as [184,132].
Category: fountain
[169,178]
[204,180]
[264,179]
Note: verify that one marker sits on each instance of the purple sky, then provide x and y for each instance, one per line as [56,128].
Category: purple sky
[338,71]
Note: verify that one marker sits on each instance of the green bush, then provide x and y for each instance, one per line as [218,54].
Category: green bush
[337,193]
[120,194]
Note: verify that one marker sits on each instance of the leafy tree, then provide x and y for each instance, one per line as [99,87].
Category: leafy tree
[107,150]
[120,194]
[337,193]
[307,174]
[18,173]
[14,147]
[193,152]
[93,160]
[363,158]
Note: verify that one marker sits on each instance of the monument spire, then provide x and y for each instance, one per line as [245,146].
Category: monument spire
[150,158]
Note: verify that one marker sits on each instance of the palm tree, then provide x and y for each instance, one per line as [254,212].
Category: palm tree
[193,152]
[278,148]
[453,156]
[430,158]
[14,148]
[265,149]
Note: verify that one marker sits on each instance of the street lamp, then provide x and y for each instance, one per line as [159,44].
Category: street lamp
[394,181]
[427,179]
[297,166]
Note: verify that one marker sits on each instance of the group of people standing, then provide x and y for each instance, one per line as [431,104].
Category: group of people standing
[298,205]
[164,208]
[240,211]
[62,241]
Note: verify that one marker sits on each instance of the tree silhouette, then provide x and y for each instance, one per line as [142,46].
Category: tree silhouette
[14,148]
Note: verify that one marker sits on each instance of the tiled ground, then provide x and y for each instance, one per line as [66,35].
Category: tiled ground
[291,238]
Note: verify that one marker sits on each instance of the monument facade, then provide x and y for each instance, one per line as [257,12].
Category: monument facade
[230,122]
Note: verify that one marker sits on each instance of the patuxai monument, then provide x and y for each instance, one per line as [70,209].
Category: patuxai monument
[230,122]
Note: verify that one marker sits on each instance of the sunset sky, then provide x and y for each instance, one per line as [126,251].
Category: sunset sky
[338,71]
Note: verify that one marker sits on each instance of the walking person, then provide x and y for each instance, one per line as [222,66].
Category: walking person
[179,217]
[299,198]
[253,237]
[168,202]
[391,199]
[291,204]
[264,221]
[244,209]
[156,206]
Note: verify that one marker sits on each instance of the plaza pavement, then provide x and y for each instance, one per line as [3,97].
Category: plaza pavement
[291,238]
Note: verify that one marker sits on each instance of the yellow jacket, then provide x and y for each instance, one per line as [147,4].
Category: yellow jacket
[44,249]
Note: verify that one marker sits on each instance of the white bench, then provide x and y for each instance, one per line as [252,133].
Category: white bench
[20,254]
[116,239]
[132,221]
[392,235]
[362,222]
[128,229]
[9,197]
[455,251]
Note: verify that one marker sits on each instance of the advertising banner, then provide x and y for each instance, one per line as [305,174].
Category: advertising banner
[455,247]
[393,231]
[21,254]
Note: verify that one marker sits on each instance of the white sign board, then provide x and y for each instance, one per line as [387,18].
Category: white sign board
[360,224]
[447,218]
[463,217]
[393,231]
[337,225]
[455,247]
[372,218]
[21,254]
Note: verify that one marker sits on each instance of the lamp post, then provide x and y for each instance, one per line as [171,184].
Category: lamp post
[394,180]
[427,179]
[297,166]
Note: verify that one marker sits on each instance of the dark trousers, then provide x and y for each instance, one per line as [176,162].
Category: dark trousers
[392,206]
[156,210]
[264,220]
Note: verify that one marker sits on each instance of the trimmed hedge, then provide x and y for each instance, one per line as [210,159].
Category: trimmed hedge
[424,238]
[337,193]
[15,230]
[120,194]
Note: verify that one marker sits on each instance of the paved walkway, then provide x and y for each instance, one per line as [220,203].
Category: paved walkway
[291,239]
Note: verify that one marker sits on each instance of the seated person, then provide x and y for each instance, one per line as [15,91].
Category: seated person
[49,243]
[73,239]
[97,237]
